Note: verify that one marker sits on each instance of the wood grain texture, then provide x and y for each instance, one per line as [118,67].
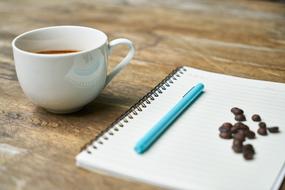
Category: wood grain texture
[37,149]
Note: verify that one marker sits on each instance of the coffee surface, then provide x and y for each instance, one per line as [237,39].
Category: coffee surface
[56,51]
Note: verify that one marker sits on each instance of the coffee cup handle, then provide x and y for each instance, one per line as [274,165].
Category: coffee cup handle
[126,60]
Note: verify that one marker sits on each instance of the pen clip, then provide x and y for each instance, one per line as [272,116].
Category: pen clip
[188,92]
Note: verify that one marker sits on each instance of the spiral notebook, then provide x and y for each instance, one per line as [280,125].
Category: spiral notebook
[190,154]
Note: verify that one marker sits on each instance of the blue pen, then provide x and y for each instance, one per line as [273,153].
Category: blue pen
[154,133]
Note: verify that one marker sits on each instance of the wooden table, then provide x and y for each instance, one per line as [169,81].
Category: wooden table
[37,149]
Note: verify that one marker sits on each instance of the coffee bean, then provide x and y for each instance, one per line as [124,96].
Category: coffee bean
[236,111]
[237,142]
[248,155]
[248,152]
[237,149]
[262,125]
[273,129]
[240,117]
[234,129]
[262,131]
[248,148]
[237,146]
[224,129]
[240,135]
[244,127]
[227,125]
[239,126]
[250,134]
[226,135]
[255,117]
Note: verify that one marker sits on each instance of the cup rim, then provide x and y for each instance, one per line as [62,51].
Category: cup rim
[56,55]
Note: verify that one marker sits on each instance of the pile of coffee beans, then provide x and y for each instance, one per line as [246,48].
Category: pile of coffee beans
[240,131]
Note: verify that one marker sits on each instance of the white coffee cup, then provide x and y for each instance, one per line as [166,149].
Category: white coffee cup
[64,83]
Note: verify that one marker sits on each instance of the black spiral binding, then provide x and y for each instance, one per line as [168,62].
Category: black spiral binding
[137,107]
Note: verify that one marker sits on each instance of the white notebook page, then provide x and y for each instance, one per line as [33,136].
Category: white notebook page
[190,154]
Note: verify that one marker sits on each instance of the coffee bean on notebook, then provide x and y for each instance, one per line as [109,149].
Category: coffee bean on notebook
[237,142]
[248,155]
[235,129]
[248,148]
[227,125]
[248,152]
[240,117]
[262,131]
[237,149]
[226,135]
[256,117]
[239,126]
[240,135]
[237,146]
[243,126]
[236,111]
[274,129]
[250,134]
[224,129]
[262,125]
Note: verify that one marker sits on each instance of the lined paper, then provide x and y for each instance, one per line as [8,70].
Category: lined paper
[190,154]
